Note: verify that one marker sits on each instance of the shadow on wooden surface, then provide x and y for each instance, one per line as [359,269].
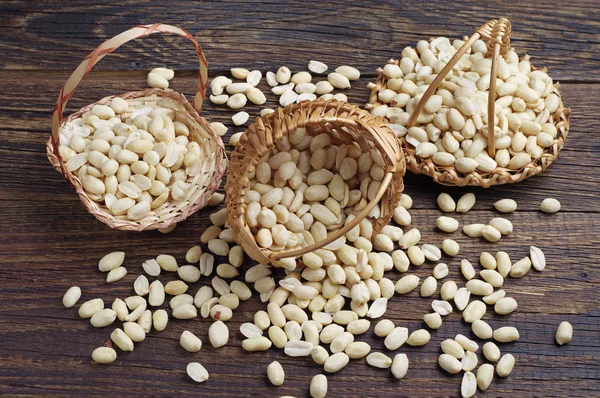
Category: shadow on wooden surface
[49,242]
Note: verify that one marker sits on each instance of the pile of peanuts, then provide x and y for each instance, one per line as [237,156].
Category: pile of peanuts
[290,87]
[135,161]
[452,129]
[308,307]
[307,186]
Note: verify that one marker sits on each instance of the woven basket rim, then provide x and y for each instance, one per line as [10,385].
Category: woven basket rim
[52,150]
[448,175]
[279,123]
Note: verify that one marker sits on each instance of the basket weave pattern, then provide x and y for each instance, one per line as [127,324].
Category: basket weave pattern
[346,124]
[497,33]
[214,160]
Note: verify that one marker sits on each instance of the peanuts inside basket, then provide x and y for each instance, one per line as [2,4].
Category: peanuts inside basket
[140,160]
[304,176]
[442,96]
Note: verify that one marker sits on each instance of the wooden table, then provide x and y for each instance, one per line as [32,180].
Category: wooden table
[49,242]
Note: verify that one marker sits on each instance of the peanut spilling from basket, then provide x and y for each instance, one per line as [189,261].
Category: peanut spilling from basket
[132,161]
[307,186]
[306,176]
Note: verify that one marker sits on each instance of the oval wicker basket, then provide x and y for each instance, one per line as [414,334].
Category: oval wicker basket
[347,124]
[213,163]
[497,33]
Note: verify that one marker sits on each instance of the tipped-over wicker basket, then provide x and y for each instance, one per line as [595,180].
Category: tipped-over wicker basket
[212,164]
[497,34]
[346,124]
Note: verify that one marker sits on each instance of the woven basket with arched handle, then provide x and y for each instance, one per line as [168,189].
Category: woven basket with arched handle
[213,161]
[497,33]
[347,124]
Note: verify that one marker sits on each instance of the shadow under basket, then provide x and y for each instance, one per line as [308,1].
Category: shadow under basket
[346,124]
[497,34]
[204,177]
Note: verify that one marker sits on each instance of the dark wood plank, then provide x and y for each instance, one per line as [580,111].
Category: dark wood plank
[566,290]
[269,34]
[49,242]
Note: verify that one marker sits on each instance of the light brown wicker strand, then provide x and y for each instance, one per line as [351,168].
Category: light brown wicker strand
[266,132]
[491,144]
[497,32]
[112,44]
[168,215]
[449,175]
[500,39]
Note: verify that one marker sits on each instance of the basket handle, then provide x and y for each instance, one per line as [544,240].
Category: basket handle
[497,33]
[344,230]
[112,44]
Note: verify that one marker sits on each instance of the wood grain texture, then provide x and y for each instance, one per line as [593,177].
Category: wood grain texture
[49,242]
[266,33]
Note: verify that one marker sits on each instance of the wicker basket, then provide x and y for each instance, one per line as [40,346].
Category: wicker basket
[497,34]
[213,163]
[347,124]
